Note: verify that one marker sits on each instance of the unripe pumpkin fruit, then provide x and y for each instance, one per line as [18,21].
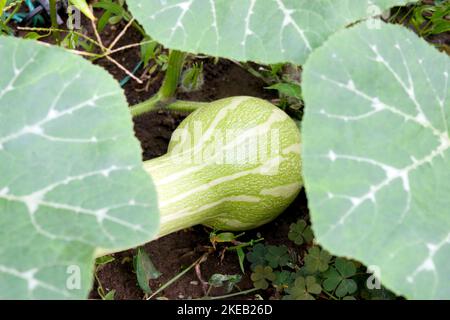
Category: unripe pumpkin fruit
[231,165]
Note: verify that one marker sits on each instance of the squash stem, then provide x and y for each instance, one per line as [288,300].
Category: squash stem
[53,19]
[185,106]
[173,73]
[155,103]
[169,86]
[146,106]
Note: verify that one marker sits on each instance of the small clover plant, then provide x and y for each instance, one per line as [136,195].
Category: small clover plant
[317,260]
[257,256]
[284,279]
[303,289]
[338,278]
[277,256]
[261,277]
[300,232]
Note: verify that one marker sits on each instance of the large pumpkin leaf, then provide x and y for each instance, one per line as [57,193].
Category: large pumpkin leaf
[266,31]
[377,155]
[71,180]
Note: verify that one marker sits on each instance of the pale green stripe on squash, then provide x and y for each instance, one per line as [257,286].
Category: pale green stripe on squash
[228,196]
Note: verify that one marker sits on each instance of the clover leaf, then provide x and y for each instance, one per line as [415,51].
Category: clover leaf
[277,256]
[300,232]
[257,256]
[261,276]
[317,260]
[284,279]
[303,289]
[337,278]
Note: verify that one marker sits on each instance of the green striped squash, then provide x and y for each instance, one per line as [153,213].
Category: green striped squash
[232,165]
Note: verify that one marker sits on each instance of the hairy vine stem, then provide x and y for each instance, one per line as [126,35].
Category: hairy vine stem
[164,98]
[53,20]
